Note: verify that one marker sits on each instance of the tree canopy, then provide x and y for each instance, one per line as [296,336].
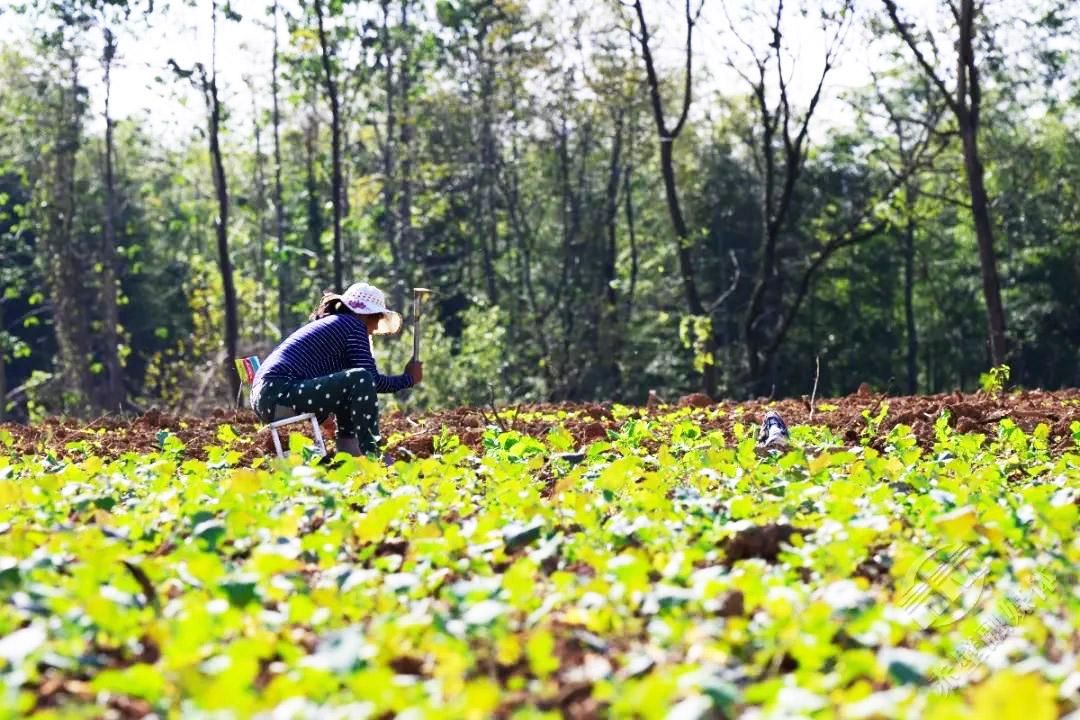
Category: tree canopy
[608,199]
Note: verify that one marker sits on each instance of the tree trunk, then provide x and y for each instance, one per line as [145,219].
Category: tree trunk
[966,105]
[348,245]
[611,332]
[768,240]
[909,292]
[64,264]
[756,308]
[489,226]
[314,203]
[667,169]
[279,203]
[686,265]
[112,392]
[336,189]
[405,192]
[611,213]
[221,228]
[258,181]
[631,229]
[221,222]
[389,169]
[980,208]
[3,365]
[968,102]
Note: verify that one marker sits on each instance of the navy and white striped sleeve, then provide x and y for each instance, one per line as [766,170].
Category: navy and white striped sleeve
[358,355]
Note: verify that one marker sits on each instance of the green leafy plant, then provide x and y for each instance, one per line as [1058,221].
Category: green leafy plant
[873,422]
[694,334]
[994,380]
[466,582]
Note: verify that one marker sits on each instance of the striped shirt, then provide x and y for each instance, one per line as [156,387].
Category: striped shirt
[326,346]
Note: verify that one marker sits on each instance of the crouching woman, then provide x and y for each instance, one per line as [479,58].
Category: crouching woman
[327,367]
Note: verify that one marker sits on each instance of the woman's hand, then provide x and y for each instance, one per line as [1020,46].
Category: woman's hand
[415,370]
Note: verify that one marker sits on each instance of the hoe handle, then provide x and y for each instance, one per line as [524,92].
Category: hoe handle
[416,328]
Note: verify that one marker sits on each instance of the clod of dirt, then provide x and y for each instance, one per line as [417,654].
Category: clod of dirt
[577,703]
[592,432]
[266,441]
[759,541]
[875,568]
[698,400]
[392,546]
[968,410]
[905,418]
[472,438]
[419,445]
[153,419]
[407,665]
[732,605]
[965,425]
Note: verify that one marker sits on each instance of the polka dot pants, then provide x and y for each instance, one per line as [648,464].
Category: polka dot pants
[349,395]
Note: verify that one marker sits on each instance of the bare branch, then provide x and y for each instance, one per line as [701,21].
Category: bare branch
[856,232]
[691,19]
[945,199]
[650,72]
[967,72]
[955,12]
[735,31]
[903,29]
[784,106]
[731,288]
[831,52]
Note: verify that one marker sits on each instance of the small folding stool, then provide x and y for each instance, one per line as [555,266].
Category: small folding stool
[246,369]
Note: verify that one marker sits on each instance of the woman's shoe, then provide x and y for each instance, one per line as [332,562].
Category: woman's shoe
[774,432]
[349,445]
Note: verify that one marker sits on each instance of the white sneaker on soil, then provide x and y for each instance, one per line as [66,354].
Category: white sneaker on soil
[774,432]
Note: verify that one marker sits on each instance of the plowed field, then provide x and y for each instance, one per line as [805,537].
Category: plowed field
[415,436]
[905,557]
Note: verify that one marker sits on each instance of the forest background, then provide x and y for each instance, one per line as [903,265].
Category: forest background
[739,198]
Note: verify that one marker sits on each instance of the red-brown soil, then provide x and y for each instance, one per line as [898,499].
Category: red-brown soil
[588,422]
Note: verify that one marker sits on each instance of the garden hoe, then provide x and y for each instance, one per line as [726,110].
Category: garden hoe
[418,297]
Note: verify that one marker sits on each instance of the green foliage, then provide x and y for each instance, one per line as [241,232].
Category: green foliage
[694,334]
[873,421]
[458,584]
[549,242]
[37,389]
[469,370]
[995,380]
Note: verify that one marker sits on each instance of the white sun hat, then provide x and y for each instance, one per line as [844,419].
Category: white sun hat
[364,299]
